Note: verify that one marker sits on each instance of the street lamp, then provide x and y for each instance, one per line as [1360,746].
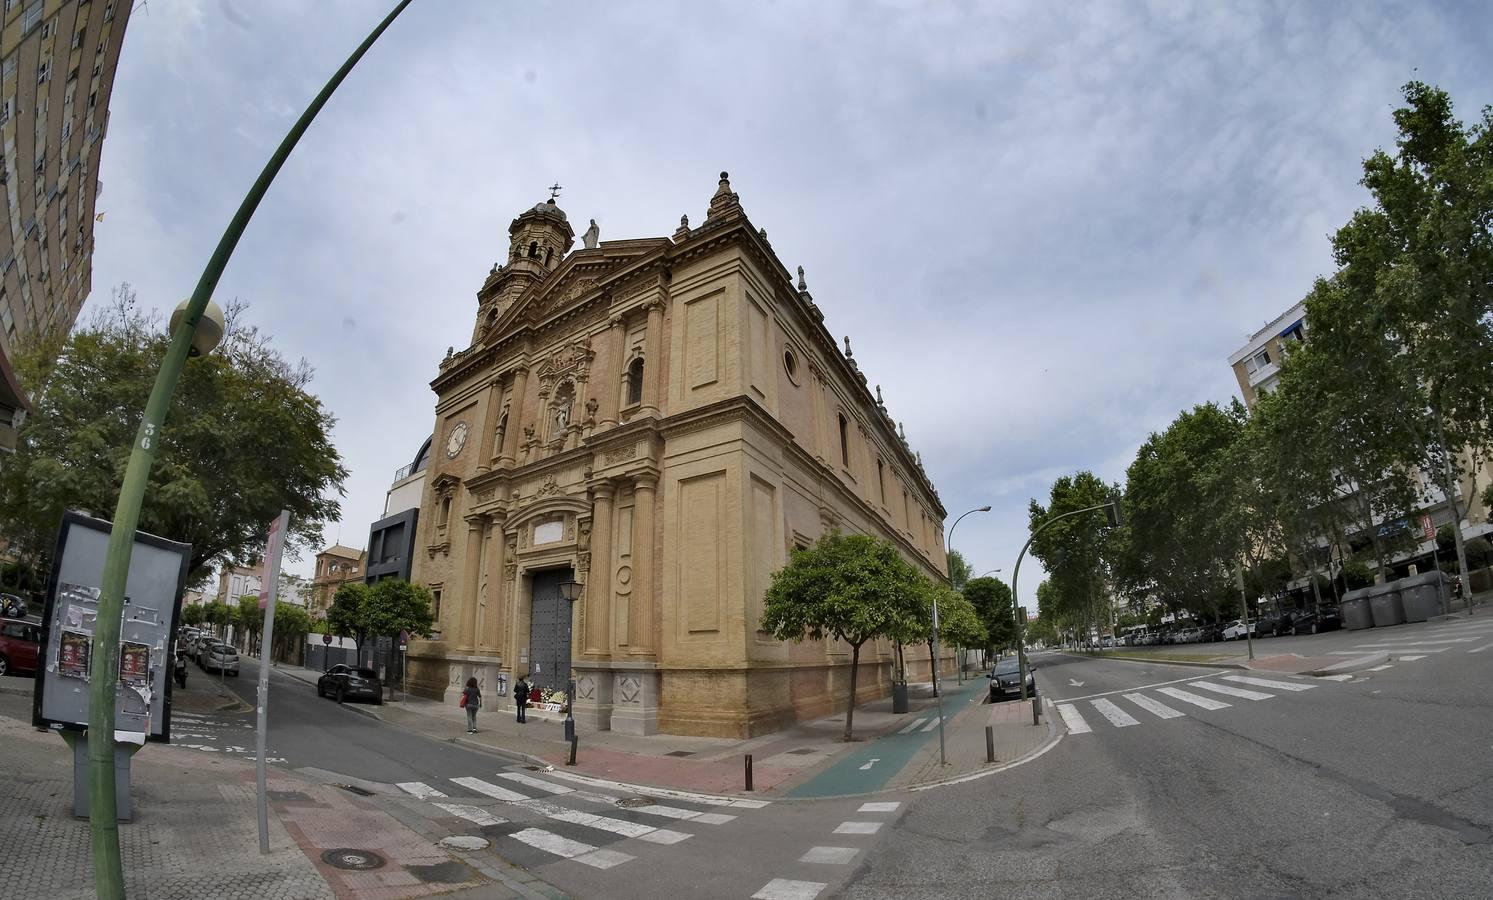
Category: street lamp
[938,694]
[991,572]
[188,333]
[570,591]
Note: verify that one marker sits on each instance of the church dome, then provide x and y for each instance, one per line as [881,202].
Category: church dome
[549,208]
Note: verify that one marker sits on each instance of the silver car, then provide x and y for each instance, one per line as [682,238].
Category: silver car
[221,658]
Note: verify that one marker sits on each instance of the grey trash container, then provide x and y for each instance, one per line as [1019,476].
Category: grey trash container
[1421,595]
[1386,605]
[1355,610]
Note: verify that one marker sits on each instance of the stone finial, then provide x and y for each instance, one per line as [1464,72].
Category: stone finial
[684,221]
[683,231]
[802,284]
[848,354]
[879,402]
[450,351]
[724,199]
[902,432]
[762,233]
[592,236]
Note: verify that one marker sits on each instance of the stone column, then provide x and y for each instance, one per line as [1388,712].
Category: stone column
[640,615]
[653,360]
[598,637]
[611,383]
[515,417]
[471,583]
[489,426]
[497,561]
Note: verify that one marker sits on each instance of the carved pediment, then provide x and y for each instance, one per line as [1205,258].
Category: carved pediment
[572,359]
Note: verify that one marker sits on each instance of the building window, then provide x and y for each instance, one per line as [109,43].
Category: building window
[881,480]
[445,511]
[790,365]
[78,38]
[6,106]
[1257,362]
[635,382]
[435,604]
[44,71]
[844,441]
[32,17]
[109,10]
[47,26]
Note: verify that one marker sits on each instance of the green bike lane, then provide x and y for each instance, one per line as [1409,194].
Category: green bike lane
[870,767]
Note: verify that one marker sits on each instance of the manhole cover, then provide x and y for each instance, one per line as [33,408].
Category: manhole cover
[349,858]
[534,768]
[802,751]
[354,789]
[464,842]
[680,753]
[634,802]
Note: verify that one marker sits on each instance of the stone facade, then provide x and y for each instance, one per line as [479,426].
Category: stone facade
[660,420]
[335,566]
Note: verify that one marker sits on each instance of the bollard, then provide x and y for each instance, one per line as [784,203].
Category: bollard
[990,743]
[574,741]
[749,771]
[1036,710]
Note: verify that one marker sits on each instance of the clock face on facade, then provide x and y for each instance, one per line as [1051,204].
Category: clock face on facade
[457,440]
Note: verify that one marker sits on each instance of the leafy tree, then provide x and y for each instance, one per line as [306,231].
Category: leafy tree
[219,615]
[852,588]
[1041,631]
[960,570]
[249,619]
[292,624]
[244,439]
[958,623]
[991,599]
[192,614]
[384,609]
[1074,550]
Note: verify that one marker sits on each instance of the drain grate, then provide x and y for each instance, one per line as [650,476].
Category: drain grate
[635,802]
[534,768]
[354,789]
[802,751]
[352,858]
[680,753]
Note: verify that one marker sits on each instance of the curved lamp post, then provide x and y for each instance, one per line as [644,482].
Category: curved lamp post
[948,545]
[189,331]
[570,591]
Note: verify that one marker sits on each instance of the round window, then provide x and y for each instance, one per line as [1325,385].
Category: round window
[790,365]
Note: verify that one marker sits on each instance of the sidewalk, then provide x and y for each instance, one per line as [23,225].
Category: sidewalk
[783,762]
[195,832]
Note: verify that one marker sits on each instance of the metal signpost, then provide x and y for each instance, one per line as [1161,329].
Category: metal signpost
[267,599]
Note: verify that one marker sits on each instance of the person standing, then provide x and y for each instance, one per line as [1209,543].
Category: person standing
[521,697]
[471,701]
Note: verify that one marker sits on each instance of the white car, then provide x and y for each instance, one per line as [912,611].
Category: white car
[1236,630]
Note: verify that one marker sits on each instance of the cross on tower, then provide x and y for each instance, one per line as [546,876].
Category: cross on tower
[555,191]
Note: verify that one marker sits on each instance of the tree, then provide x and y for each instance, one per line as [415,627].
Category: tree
[853,588]
[249,619]
[1041,631]
[244,439]
[384,609]
[959,624]
[1074,550]
[991,600]
[218,614]
[192,614]
[292,623]
[960,570]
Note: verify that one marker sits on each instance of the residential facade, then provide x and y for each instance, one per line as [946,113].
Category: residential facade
[239,581]
[335,566]
[1256,365]
[391,540]
[57,64]
[657,422]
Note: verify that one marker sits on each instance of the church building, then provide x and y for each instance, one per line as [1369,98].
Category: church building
[653,424]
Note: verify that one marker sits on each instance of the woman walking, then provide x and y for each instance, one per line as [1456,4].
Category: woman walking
[471,701]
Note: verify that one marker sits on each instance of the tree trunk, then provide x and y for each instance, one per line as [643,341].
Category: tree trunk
[1449,488]
[855,667]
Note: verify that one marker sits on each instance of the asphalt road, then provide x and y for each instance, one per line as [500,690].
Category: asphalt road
[1379,786]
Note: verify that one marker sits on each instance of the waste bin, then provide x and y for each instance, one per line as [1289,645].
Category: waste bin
[1386,605]
[899,697]
[1421,595]
[1355,610]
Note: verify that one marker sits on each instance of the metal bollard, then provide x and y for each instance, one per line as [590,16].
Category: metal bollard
[1036,710]
[749,771]
[990,743]
[574,742]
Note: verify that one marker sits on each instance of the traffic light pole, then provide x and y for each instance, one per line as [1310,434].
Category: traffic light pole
[1112,510]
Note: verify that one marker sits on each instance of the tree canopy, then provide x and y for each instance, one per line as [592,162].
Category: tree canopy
[244,439]
[363,611]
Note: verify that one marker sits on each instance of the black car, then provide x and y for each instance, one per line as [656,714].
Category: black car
[1005,680]
[1314,621]
[350,683]
[1268,625]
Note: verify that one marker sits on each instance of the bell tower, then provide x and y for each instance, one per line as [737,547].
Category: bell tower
[538,240]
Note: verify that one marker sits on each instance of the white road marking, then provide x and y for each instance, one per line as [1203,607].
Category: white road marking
[1232,691]
[550,842]
[1336,677]
[1074,721]
[548,787]
[1143,687]
[674,812]
[832,856]
[669,793]
[911,727]
[1481,649]
[1116,716]
[857,828]
[1419,641]
[931,725]
[873,761]
[880,806]
[712,818]
[1267,683]
[1382,647]
[419,789]
[1194,699]
[1075,683]
[1410,658]
[615,826]
[664,836]
[788,889]
[471,813]
[1154,707]
[491,790]
[1380,668]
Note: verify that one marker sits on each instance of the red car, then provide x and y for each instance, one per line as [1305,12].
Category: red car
[20,646]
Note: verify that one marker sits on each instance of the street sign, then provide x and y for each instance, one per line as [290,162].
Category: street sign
[326,639]
[1427,528]
[404,639]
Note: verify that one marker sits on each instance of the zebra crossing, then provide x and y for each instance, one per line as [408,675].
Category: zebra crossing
[534,820]
[1449,636]
[1207,693]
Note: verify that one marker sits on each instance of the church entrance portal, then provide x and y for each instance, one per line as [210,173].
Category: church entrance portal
[549,630]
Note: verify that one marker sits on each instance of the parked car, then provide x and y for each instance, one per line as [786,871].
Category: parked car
[1236,630]
[353,683]
[200,647]
[1210,633]
[1313,621]
[221,658]
[1005,679]
[1267,625]
[20,646]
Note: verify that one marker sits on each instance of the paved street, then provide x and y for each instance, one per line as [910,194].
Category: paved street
[1185,785]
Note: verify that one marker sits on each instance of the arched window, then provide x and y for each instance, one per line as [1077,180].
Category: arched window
[445,510]
[533,249]
[635,382]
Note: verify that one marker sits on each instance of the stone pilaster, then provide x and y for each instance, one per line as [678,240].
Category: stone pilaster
[653,369]
[640,618]
[515,417]
[611,385]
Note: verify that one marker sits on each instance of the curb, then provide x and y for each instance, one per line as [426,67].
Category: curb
[1164,662]
[1054,735]
[500,751]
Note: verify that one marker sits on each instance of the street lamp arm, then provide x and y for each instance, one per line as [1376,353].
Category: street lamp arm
[108,870]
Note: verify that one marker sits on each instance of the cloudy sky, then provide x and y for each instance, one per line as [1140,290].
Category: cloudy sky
[1044,229]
